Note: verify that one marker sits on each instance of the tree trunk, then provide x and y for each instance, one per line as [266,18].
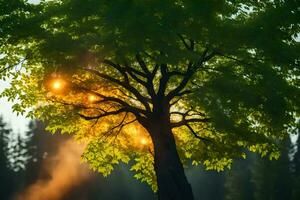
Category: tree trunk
[171,179]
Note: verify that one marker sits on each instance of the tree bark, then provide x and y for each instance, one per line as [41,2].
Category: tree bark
[171,179]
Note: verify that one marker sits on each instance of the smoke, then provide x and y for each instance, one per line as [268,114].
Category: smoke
[65,172]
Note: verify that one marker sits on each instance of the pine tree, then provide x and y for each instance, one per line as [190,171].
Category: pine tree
[207,184]
[238,185]
[6,174]
[296,165]
[35,156]
[38,145]
[4,137]
[272,179]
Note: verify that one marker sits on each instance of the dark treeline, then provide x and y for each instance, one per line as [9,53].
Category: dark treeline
[21,163]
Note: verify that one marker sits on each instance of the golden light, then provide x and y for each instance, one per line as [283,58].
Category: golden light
[57,84]
[144,141]
[92,98]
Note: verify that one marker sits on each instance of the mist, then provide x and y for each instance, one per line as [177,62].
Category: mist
[65,172]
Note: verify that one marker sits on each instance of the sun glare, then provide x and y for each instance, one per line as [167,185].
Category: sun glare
[144,141]
[92,98]
[57,84]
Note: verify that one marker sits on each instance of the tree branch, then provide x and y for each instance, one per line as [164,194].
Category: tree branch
[148,84]
[196,135]
[11,66]
[129,108]
[125,85]
[191,70]
[186,118]
[142,64]
[163,80]
[187,46]
[105,114]
[119,125]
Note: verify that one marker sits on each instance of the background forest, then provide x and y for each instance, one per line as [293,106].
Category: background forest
[35,164]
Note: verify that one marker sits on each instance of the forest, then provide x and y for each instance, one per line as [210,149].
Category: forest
[23,159]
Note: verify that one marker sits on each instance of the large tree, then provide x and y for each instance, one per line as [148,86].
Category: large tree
[158,82]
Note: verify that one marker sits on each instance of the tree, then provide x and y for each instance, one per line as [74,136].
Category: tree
[35,147]
[157,82]
[6,173]
[206,184]
[39,146]
[296,171]
[272,179]
[238,183]
[4,138]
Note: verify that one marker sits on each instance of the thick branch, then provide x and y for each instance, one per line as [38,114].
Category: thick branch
[189,118]
[125,85]
[142,64]
[138,112]
[137,72]
[148,74]
[133,76]
[163,80]
[117,67]
[153,73]
[191,70]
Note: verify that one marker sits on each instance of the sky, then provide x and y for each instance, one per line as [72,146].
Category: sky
[17,123]
[33,1]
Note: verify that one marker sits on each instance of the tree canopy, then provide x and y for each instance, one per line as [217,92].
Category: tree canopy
[228,70]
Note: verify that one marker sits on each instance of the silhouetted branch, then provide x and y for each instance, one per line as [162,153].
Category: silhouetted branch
[187,46]
[196,135]
[125,85]
[104,114]
[189,117]
[11,66]
[191,70]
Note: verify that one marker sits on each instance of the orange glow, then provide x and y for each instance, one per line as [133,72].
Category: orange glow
[144,141]
[92,98]
[65,171]
[139,136]
[57,84]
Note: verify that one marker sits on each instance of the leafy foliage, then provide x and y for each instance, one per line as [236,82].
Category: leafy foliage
[228,69]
